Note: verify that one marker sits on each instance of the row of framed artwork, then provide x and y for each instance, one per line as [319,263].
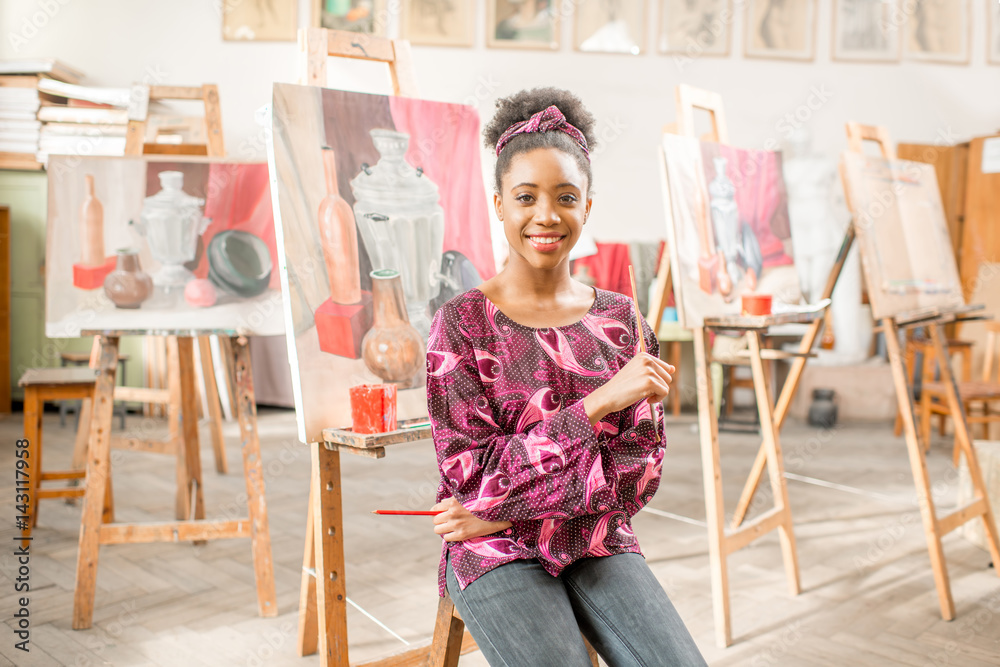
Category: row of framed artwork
[863,30]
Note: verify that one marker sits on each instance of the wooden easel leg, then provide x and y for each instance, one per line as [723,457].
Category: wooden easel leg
[328,523]
[308,630]
[98,475]
[214,409]
[33,434]
[80,443]
[253,469]
[182,506]
[964,441]
[190,443]
[448,630]
[79,461]
[712,475]
[794,375]
[775,462]
[780,412]
[918,465]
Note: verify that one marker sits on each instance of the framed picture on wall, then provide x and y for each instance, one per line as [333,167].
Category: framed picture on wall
[993,35]
[523,24]
[695,27]
[438,22]
[866,30]
[611,26]
[274,21]
[938,31]
[783,29]
[368,16]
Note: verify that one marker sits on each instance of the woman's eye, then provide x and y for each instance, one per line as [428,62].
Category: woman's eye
[567,199]
[524,198]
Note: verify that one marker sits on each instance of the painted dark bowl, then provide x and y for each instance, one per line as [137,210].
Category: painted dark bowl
[239,262]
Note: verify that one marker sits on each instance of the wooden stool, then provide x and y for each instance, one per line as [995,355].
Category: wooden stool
[52,384]
[83,359]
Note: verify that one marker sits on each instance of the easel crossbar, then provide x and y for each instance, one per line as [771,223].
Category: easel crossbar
[975,509]
[174,531]
[759,527]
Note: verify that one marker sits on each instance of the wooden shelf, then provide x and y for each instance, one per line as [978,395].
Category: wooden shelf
[22,161]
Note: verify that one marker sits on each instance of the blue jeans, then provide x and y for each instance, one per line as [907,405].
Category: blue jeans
[522,616]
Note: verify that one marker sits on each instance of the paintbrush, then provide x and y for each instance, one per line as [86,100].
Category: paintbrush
[642,339]
[406,512]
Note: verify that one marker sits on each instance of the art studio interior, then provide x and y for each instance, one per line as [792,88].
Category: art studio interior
[500,332]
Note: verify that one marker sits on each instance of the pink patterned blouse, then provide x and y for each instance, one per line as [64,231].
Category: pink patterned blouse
[514,443]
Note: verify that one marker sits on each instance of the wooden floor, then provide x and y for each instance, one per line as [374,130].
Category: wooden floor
[868,594]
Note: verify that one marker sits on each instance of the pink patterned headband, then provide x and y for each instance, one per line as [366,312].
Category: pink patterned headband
[548,120]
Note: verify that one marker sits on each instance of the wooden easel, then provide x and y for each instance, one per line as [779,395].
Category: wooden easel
[689,99]
[181,398]
[164,349]
[935,320]
[323,596]
[779,517]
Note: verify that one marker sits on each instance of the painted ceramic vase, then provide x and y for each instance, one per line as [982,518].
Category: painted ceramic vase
[91,227]
[339,237]
[128,285]
[392,349]
[401,222]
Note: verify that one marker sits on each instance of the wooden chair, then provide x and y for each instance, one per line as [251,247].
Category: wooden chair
[53,384]
[915,349]
[981,394]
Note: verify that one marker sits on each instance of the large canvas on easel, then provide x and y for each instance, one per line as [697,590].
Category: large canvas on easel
[728,228]
[906,251]
[205,265]
[402,180]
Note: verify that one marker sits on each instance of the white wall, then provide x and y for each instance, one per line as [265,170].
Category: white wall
[116,42]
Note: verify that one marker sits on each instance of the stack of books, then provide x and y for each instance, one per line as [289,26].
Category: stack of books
[20,102]
[19,125]
[44,111]
[90,120]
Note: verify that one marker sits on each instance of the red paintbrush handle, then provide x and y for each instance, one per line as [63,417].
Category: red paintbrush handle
[406,512]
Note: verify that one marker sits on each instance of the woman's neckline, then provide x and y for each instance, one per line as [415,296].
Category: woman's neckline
[589,312]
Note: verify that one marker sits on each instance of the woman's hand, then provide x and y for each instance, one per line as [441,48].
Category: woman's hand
[644,377]
[457,524]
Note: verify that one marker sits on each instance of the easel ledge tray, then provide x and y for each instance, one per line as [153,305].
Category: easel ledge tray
[747,322]
[410,430]
[158,331]
[940,314]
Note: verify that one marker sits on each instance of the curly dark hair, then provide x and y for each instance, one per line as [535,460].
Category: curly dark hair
[522,106]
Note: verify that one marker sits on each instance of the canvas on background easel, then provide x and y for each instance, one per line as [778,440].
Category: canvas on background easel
[909,267]
[182,398]
[323,598]
[752,328]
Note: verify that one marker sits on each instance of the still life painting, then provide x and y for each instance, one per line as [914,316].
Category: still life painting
[160,244]
[728,228]
[381,216]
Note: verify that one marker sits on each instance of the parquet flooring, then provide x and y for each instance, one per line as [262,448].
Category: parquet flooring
[868,593]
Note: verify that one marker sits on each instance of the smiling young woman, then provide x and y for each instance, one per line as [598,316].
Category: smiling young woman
[545,416]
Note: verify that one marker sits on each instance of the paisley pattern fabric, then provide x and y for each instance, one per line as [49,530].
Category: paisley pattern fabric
[513,440]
